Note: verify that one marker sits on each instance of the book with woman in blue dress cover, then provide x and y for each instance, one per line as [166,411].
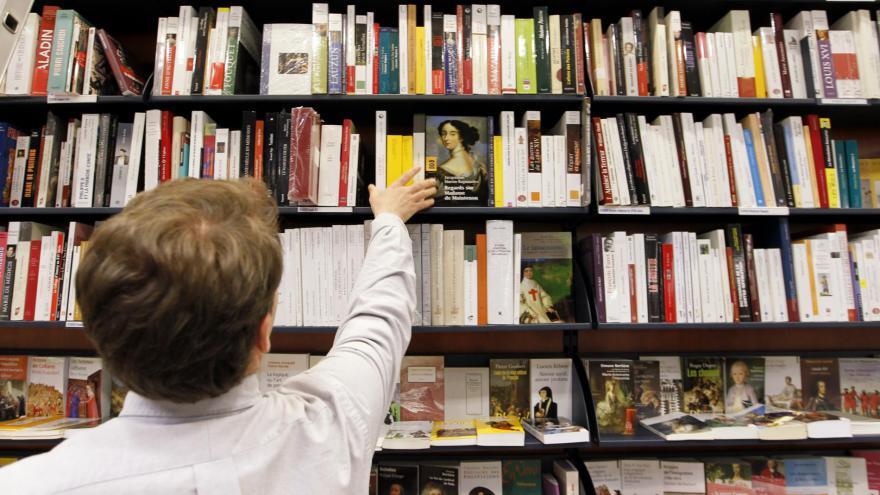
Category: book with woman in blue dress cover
[457,155]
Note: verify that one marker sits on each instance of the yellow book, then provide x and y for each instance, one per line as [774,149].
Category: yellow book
[500,431]
[870,172]
[394,154]
[406,158]
[498,170]
[760,84]
[77,314]
[420,60]
[454,433]
[830,172]
[814,183]
[814,294]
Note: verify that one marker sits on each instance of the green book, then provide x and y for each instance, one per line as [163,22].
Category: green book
[542,49]
[521,477]
[320,25]
[842,171]
[852,174]
[525,57]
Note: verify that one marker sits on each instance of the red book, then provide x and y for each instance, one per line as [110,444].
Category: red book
[728,151]
[33,276]
[168,70]
[579,54]
[128,81]
[731,275]
[44,50]
[872,459]
[818,159]
[58,267]
[668,282]
[343,162]
[4,236]
[604,177]
[784,71]
[258,150]
[375,60]
[208,154]
[165,146]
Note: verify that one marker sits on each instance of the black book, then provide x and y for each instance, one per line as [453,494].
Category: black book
[691,74]
[682,159]
[782,156]
[808,67]
[206,22]
[614,49]
[542,49]
[733,238]
[590,250]
[437,69]
[270,159]
[399,478]
[29,191]
[642,60]
[467,48]
[108,160]
[627,157]
[283,151]
[637,156]
[779,176]
[567,44]
[653,264]
[248,137]
[441,479]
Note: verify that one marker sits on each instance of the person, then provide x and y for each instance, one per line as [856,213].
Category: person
[741,395]
[432,488]
[849,400]
[737,479]
[396,489]
[611,410]
[771,471]
[536,303]
[178,294]
[864,401]
[819,401]
[461,168]
[546,407]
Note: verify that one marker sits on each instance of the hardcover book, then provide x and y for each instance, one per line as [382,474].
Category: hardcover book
[13,382]
[612,389]
[545,289]
[481,478]
[745,384]
[782,382]
[821,382]
[521,477]
[457,156]
[703,385]
[421,388]
[509,388]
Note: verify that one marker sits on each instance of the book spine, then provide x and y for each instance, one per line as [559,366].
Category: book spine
[33,275]
[542,49]
[343,166]
[61,48]
[438,50]
[818,159]
[493,41]
[653,265]
[682,159]
[467,50]
[581,59]
[602,155]
[826,63]
[28,192]
[753,278]
[734,241]
[206,22]
[508,55]
[781,53]
[525,57]
[450,54]
[829,174]
[853,175]
[563,55]
[43,60]
[668,283]
[628,166]
[692,77]
[459,49]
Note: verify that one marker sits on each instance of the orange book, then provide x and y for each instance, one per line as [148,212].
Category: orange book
[258,150]
[482,295]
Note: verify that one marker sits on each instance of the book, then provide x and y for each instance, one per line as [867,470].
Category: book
[545,292]
[728,477]
[509,388]
[703,385]
[806,476]
[408,435]
[275,369]
[521,477]
[13,385]
[821,384]
[605,476]
[683,476]
[641,476]
[398,478]
[678,426]
[285,59]
[421,388]
[88,389]
[744,384]
[453,433]
[47,386]
[480,477]
[466,393]
[782,382]
[670,382]
[612,389]
[457,156]
[500,431]
[439,479]
[556,431]
[859,385]
[551,388]
[768,476]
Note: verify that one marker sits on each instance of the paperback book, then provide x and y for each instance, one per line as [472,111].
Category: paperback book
[703,385]
[545,288]
[509,388]
[612,389]
[457,155]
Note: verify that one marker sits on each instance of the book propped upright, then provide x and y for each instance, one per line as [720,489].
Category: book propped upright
[421,388]
[88,389]
[13,382]
[480,477]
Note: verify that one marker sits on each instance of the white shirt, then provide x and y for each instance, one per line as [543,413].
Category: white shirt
[316,434]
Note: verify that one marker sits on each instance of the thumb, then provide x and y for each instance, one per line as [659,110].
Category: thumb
[372,189]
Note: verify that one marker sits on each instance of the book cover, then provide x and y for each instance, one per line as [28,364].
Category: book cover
[703,385]
[646,388]
[438,479]
[768,476]
[13,382]
[481,478]
[859,384]
[728,477]
[612,389]
[275,369]
[285,60]
[641,477]
[457,156]
[806,476]
[509,388]
[551,388]
[671,390]
[47,378]
[545,289]
[782,382]
[682,477]
[421,388]
[401,479]
[605,476]
[521,477]
[454,433]
[744,384]
[466,393]
[86,387]
[821,381]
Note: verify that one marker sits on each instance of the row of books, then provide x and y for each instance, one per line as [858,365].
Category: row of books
[722,162]
[721,276]
[484,477]
[472,50]
[794,474]
[477,162]
[532,281]
[806,57]
[710,398]
[61,53]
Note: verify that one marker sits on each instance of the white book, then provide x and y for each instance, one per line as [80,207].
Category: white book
[216,58]
[354,150]
[673,33]
[221,154]
[425,274]
[437,278]
[721,55]
[867,51]
[508,54]
[500,262]
[796,68]
[616,167]
[652,171]
[159,61]
[567,476]
[673,180]
[310,275]
[20,70]
[521,166]
[295,287]
[695,172]
[798,162]
[704,67]
[772,75]
[641,477]
[472,314]
[511,194]
[484,475]
[683,476]
[191,39]
[605,474]
[328,181]
[466,393]
[560,186]
[802,279]
[730,48]
[659,64]
[703,166]
[550,383]
[713,129]
[381,138]
[65,161]
[234,154]
[765,296]
[360,70]
[706,273]
[803,24]
[132,172]
[517,275]
[282,307]
[180,85]
[285,67]
[153,136]
[275,369]
[742,175]
[480,50]
[371,47]
[690,244]
[573,181]
[630,76]
[555,28]
[418,153]
[453,277]
[403,48]
[84,171]
[614,273]
[843,48]
[415,236]
[328,284]
[45,277]
[340,276]
[777,285]
[737,23]
[71,295]
[548,154]
[714,65]
[428,75]
[19,284]
[820,24]
[196,141]
[355,251]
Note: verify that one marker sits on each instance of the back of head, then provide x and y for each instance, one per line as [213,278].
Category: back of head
[173,289]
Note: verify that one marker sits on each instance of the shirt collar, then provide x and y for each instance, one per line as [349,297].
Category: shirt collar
[238,398]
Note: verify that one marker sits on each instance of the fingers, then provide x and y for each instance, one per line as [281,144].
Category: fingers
[406,177]
[372,189]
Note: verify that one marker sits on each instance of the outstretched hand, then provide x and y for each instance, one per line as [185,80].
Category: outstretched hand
[402,200]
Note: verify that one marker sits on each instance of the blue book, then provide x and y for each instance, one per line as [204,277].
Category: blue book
[394,50]
[384,60]
[4,161]
[184,164]
[804,473]
[753,166]
[335,65]
[853,176]
[842,173]
[781,237]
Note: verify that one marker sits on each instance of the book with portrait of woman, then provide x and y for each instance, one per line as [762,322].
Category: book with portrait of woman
[612,390]
[545,287]
[744,384]
[550,388]
[398,478]
[728,477]
[457,155]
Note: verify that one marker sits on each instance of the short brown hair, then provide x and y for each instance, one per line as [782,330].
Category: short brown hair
[173,289]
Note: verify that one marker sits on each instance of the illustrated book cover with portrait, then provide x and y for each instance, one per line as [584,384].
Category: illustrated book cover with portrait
[728,477]
[860,385]
[703,385]
[605,476]
[13,382]
[457,154]
[481,478]
[421,388]
[546,271]
[398,478]
[744,383]
[671,390]
[768,475]
[646,388]
[438,479]
[521,476]
[821,381]
[612,389]
[47,384]
[88,389]
[782,382]
[550,395]
[509,388]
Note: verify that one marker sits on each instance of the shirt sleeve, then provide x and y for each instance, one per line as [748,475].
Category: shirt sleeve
[370,343]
